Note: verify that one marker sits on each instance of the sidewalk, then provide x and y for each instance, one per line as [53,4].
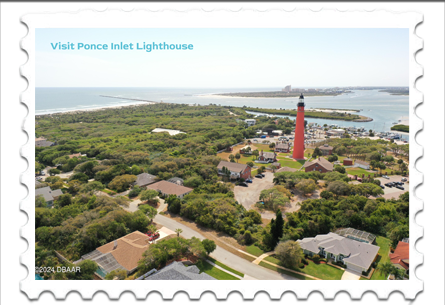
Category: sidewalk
[262,256]
[246,277]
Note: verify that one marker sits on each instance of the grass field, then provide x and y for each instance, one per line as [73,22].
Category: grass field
[218,274]
[321,271]
[254,250]
[357,171]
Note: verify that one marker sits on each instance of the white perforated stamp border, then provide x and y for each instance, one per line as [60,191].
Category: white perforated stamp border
[199,18]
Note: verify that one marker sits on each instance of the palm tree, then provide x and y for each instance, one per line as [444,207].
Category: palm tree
[237,157]
[386,268]
[178,231]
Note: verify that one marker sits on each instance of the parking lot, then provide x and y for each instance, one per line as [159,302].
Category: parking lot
[393,192]
[248,196]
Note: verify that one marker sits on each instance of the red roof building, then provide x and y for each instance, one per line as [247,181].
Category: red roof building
[400,257]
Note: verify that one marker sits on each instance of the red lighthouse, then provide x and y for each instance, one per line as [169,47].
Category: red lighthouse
[298,153]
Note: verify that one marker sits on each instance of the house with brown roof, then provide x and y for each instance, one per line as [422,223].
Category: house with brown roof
[78,155]
[286,169]
[123,253]
[326,149]
[167,188]
[237,170]
[400,257]
[362,164]
[320,165]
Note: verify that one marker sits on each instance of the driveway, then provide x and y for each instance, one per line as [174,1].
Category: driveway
[349,275]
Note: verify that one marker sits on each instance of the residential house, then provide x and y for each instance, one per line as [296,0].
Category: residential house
[320,165]
[326,149]
[123,253]
[277,165]
[237,170]
[286,169]
[167,188]
[282,147]
[42,142]
[48,194]
[178,271]
[145,179]
[267,157]
[176,180]
[357,256]
[348,162]
[362,164]
[400,257]
[250,122]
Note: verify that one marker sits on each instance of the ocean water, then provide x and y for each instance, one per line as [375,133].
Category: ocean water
[383,108]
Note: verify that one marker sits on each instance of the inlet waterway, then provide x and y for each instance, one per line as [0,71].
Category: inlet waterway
[383,108]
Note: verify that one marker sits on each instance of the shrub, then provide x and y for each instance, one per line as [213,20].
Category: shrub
[304,260]
[316,258]
[134,192]
[301,265]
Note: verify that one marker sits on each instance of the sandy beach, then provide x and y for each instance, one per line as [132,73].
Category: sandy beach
[136,104]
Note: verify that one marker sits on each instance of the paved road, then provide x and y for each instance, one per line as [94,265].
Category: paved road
[224,256]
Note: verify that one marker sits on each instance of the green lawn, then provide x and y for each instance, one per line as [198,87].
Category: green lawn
[218,274]
[383,256]
[321,271]
[225,267]
[290,163]
[298,276]
[254,250]
[357,171]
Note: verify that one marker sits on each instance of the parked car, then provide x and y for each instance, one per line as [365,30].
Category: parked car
[359,179]
[243,184]
[404,180]
[386,177]
[259,176]
[263,175]
[149,233]
[263,137]
[382,187]
[400,187]
[249,180]
[154,236]
[388,184]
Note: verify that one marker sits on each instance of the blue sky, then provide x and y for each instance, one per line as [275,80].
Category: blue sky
[227,58]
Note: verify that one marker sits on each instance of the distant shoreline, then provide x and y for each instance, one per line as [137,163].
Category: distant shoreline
[96,109]
[241,95]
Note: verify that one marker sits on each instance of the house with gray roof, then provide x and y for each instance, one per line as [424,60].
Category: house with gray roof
[145,179]
[357,256]
[48,194]
[178,271]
